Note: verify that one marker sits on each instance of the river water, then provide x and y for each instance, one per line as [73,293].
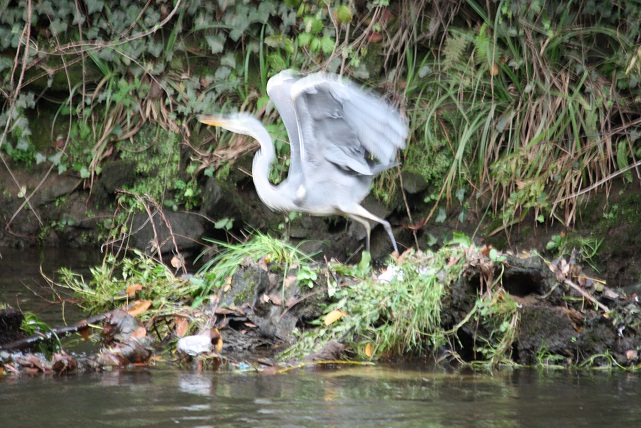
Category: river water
[340,396]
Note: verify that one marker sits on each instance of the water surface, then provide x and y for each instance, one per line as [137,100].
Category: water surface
[341,396]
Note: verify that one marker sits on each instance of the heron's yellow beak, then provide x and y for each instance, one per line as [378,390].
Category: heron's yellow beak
[211,120]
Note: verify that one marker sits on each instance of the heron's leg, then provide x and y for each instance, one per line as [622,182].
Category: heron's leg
[366,225]
[363,215]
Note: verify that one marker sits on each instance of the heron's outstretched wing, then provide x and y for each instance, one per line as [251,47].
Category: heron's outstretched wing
[341,124]
[279,89]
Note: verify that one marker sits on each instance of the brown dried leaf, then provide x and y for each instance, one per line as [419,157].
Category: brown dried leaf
[216,340]
[375,37]
[333,316]
[227,284]
[84,332]
[290,280]
[262,263]
[132,289]
[250,325]
[369,351]
[493,72]
[140,332]
[292,301]
[182,326]
[177,262]
[453,261]
[227,311]
[139,307]
[276,299]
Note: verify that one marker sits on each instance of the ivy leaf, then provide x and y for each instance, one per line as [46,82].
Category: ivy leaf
[57,27]
[327,45]
[216,43]
[23,145]
[55,159]
[304,39]
[94,6]
[276,62]
[40,158]
[315,45]
[344,14]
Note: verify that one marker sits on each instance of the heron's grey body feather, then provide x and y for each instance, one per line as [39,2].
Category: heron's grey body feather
[340,137]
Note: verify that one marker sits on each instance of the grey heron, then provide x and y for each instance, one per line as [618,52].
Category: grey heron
[341,137]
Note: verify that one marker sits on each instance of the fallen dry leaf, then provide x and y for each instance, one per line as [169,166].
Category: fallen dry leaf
[333,316]
[177,262]
[263,262]
[368,349]
[276,299]
[139,307]
[139,332]
[85,332]
[375,37]
[227,284]
[493,72]
[132,289]
[216,340]
[182,326]
[290,280]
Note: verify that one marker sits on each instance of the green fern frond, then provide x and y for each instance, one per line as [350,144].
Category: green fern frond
[455,46]
[482,48]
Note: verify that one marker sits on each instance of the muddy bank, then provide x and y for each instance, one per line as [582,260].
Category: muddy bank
[501,309]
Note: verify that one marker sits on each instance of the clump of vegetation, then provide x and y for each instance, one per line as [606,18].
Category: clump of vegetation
[119,282]
[389,317]
[270,252]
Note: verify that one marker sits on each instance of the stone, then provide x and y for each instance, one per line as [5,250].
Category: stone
[186,228]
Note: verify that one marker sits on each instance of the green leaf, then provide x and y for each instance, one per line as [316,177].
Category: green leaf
[276,62]
[274,41]
[442,215]
[40,158]
[315,45]
[327,45]
[460,239]
[94,6]
[344,14]
[364,264]
[216,43]
[304,39]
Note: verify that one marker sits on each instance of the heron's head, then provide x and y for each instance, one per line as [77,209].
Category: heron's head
[240,123]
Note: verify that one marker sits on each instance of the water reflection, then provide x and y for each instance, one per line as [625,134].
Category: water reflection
[22,285]
[362,396]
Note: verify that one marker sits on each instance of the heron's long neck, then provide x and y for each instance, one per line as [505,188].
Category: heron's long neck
[271,196]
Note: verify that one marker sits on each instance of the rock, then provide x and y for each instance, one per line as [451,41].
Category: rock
[220,201]
[186,229]
[544,328]
[413,183]
[116,175]
[10,322]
